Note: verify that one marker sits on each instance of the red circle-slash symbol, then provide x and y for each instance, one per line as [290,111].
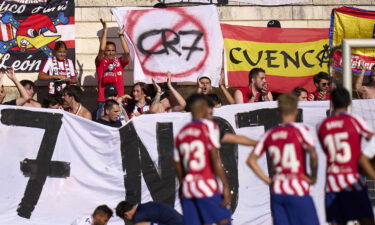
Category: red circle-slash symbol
[135,17]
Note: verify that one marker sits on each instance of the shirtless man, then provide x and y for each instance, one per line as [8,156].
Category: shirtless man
[72,96]
[365,91]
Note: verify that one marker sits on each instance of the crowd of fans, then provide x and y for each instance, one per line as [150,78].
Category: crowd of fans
[115,108]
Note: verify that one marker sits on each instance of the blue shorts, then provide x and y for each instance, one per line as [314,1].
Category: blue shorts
[348,205]
[293,210]
[198,211]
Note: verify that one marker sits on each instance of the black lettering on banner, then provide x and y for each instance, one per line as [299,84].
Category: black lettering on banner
[168,43]
[229,158]
[164,42]
[260,53]
[269,59]
[287,58]
[42,167]
[304,61]
[232,58]
[136,162]
[263,117]
[193,47]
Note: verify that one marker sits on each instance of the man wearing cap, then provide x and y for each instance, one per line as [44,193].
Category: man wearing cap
[110,92]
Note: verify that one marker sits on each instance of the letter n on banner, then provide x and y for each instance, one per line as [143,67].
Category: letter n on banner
[136,162]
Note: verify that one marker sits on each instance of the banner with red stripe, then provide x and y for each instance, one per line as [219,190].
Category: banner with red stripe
[290,56]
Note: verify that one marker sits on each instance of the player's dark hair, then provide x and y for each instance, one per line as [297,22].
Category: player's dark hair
[321,76]
[123,207]
[27,82]
[60,44]
[340,98]
[298,90]
[287,104]
[74,91]
[108,105]
[254,73]
[104,209]
[194,102]
[110,43]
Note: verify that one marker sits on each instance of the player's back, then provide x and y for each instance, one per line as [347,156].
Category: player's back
[340,137]
[193,143]
[285,145]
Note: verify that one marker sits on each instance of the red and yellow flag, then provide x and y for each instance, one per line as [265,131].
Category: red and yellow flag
[353,23]
[290,56]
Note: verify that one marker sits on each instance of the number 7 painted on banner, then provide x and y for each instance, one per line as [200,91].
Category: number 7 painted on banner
[37,169]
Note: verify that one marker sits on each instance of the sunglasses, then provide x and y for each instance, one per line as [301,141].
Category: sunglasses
[325,84]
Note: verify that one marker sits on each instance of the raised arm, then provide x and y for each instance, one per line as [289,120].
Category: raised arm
[181,101]
[359,82]
[103,41]
[227,95]
[125,47]
[24,96]
[156,105]
[252,162]
[219,171]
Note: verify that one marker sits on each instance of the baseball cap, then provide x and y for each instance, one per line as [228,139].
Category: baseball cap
[110,91]
[203,76]
[274,23]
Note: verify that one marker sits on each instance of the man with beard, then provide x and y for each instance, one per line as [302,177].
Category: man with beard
[257,91]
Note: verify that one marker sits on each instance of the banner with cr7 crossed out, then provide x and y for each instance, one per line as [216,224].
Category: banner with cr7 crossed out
[29,30]
[186,41]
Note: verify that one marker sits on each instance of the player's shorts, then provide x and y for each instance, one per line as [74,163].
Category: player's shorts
[198,211]
[347,205]
[293,210]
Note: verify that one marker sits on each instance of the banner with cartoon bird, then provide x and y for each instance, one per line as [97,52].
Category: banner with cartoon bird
[29,30]
[290,56]
[352,23]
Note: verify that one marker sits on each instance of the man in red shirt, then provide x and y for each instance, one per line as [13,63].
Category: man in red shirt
[257,91]
[287,144]
[340,136]
[109,68]
[198,165]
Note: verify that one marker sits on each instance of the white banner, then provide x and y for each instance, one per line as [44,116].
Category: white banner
[186,41]
[57,167]
[255,2]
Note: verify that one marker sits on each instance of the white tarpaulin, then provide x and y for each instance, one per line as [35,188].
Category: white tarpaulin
[186,41]
[65,166]
[256,2]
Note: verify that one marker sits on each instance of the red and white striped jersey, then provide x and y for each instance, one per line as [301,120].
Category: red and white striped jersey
[64,68]
[285,145]
[193,144]
[340,137]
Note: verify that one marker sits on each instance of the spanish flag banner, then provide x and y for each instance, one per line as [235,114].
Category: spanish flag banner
[290,56]
[352,23]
